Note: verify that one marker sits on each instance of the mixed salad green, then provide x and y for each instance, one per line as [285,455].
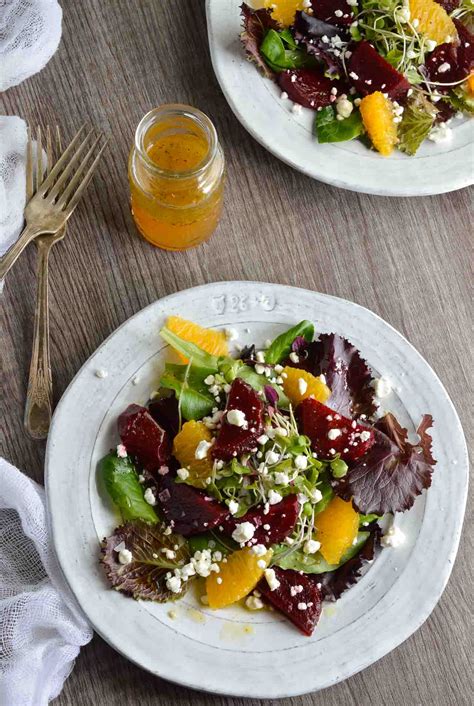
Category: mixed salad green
[394,71]
[263,475]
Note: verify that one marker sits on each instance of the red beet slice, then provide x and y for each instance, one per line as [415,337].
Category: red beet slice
[460,58]
[306,594]
[449,5]
[233,440]
[325,10]
[280,519]
[188,510]
[164,411]
[308,87]
[369,72]
[317,421]
[143,437]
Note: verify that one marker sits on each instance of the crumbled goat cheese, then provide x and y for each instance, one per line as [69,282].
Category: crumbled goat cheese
[442,68]
[311,546]
[262,440]
[382,387]
[237,418]
[121,451]
[243,532]
[281,478]
[260,357]
[302,606]
[296,108]
[274,498]
[393,537]
[294,357]
[301,462]
[101,373]
[270,576]
[233,507]
[174,584]
[202,450]
[259,549]
[364,435]
[302,386]
[125,556]
[294,590]
[182,473]
[149,496]
[272,457]
[334,433]
[254,603]
[344,107]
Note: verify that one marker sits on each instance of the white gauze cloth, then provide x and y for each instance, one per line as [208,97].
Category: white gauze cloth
[30,32]
[41,626]
[13,137]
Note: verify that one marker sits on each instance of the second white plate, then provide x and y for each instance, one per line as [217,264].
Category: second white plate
[435,169]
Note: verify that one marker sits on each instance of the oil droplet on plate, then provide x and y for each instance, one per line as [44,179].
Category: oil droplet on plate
[236,632]
[196,615]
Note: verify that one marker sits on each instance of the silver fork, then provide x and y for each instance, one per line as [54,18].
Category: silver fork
[57,196]
[39,397]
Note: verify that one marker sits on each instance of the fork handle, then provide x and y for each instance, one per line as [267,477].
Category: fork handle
[39,405]
[29,232]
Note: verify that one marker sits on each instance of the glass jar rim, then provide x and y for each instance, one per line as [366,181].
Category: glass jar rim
[177,109]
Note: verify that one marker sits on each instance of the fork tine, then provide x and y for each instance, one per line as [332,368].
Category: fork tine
[61,162]
[29,167]
[64,197]
[49,150]
[54,189]
[69,208]
[39,158]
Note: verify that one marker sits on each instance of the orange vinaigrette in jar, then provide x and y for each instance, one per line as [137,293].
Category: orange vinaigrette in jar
[176,173]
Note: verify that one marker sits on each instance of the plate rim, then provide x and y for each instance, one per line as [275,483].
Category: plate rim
[428,605]
[461,182]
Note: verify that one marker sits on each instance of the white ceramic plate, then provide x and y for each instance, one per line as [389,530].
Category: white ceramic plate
[256,102]
[234,651]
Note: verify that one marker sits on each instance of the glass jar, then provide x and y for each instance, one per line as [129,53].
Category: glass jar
[176,173]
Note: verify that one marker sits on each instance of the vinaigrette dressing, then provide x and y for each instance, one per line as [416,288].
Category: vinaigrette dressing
[176,174]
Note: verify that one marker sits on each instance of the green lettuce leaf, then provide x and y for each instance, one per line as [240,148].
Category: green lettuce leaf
[418,119]
[120,479]
[315,563]
[280,348]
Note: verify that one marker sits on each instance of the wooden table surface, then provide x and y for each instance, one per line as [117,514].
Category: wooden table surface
[407,260]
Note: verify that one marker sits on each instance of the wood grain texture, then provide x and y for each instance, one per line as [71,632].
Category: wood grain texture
[407,260]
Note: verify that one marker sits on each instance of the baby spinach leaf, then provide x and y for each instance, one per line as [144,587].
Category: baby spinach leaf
[418,119]
[259,382]
[194,402]
[330,129]
[277,57]
[280,348]
[121,482]
[209,540]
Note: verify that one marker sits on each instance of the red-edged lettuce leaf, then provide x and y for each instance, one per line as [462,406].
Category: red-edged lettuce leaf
[393,473]
[449,5]
[145,576]
[255,24]
[334,583]
[347,374]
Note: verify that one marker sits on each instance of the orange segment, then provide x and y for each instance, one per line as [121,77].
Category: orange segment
[238,576]
[433,21]
[377,116]
[336,529]
[184,449]
[211,341]
[310,386]
[470,85]
[283,11]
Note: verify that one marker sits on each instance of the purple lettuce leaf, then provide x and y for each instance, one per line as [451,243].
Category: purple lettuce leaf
[347,375]
[255,24]
[393,472]
[334,583]
[145,576]
[309,33]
